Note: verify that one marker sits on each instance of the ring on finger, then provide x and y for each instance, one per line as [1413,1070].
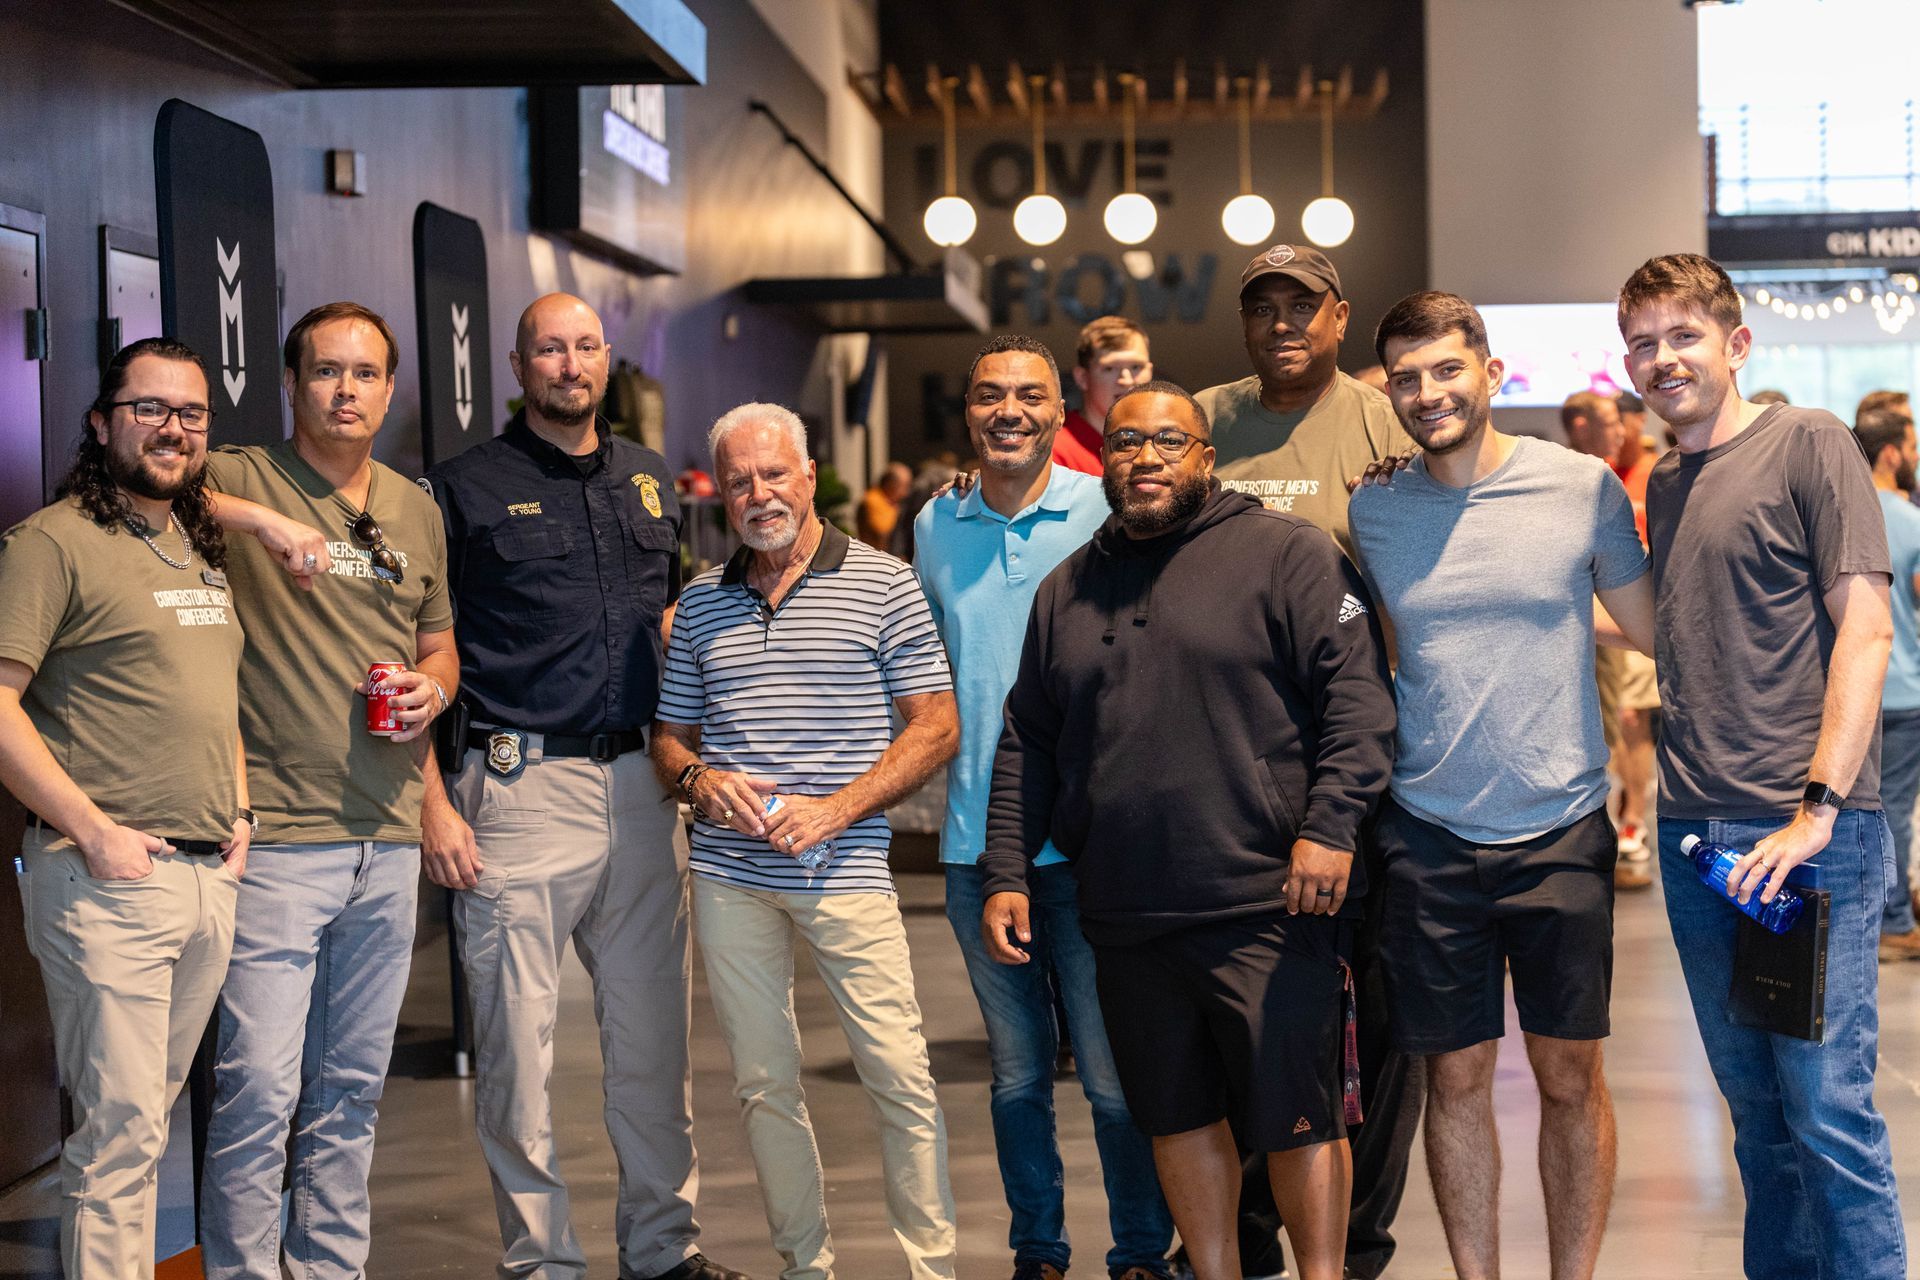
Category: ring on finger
[726,815]
[311,560]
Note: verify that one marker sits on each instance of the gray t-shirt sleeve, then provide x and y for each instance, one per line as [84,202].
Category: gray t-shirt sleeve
[1618,557]
[1833,489]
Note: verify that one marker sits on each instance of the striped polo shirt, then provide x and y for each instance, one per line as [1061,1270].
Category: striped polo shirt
[801,696]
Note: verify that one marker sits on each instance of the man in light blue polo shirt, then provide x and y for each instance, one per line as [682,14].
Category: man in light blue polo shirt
[981,556]
[1886,436]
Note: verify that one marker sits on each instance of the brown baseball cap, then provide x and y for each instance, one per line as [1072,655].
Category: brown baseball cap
[1296,261]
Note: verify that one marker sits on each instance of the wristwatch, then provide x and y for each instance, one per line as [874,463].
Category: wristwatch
[253,823]
[689,776]
[1818,794]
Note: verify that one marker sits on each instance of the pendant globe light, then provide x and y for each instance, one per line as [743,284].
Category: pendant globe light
[1039,219]
[1248,218]
[1130,216]
[949,220]
[1327,221]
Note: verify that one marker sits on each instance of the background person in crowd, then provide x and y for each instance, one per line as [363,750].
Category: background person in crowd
[1487,553]
[120,731]
[1110,360]
[981,557]
[324,934]
[1292,435]
[1769,397]
[1197,625]
[1596,427]
[879,514]
[1374,376]
[1883,398]
[1886,436]
[1772,633]
[783,667]
[563,559]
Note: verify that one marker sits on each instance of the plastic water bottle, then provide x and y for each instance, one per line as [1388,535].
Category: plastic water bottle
[1714,863]
[813,858]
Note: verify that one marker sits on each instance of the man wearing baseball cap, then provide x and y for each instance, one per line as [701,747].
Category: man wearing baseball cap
[1291,435]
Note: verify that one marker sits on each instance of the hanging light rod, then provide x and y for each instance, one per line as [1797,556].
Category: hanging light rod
[1083,95]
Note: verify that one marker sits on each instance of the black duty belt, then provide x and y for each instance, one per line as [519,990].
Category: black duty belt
[595,746]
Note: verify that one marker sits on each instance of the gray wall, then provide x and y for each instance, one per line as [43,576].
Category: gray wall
[85,79]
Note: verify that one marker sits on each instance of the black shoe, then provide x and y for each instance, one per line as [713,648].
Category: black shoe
[701,1267]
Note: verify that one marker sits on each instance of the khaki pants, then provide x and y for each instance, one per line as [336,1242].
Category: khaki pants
[593,852]
[132,968]
[859,946]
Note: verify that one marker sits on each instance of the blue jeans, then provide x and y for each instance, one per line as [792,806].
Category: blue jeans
[322,943]
[1017,1003]
[1813,1152]
[1899,788]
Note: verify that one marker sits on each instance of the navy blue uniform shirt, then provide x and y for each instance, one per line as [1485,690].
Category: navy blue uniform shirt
[561,569]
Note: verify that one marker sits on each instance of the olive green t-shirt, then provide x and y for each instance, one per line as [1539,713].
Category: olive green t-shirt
[315,772]
[1301,462]
[135,669]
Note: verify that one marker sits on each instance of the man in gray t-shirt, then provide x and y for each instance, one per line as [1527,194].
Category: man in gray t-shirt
[1771,579]
[1486,554]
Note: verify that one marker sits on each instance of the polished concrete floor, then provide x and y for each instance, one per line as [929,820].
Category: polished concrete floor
[1677,1211]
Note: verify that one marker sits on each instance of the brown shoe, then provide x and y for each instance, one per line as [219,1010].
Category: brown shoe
[1900,946]
[1032,1269]
[1633,873]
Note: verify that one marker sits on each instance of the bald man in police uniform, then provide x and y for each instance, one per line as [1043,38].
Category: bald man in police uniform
[563,549]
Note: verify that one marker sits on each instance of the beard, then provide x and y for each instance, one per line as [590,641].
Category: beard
[557,405]
[1475,413]
[134,473]
[776,537]
[1185,496]
[1903,478]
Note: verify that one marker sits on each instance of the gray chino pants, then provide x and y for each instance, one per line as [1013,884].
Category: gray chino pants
[570,848]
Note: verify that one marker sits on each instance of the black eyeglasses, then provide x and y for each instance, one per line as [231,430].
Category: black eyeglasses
[154,413]
[1169,444]
[367,533]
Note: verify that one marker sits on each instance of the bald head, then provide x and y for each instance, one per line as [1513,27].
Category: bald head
[560,360]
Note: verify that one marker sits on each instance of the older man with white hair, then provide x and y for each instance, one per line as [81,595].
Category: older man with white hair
[774,724]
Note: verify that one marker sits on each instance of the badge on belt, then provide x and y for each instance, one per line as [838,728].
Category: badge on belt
[506,752]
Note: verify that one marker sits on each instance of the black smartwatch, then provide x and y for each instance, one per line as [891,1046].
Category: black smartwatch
[253,823]
[1819,793]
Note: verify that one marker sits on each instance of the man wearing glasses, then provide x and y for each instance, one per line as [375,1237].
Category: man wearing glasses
[324,933]
[564,559]
[119,729]
[1197,626]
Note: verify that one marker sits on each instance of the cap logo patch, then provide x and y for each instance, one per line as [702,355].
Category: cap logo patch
[1279,256]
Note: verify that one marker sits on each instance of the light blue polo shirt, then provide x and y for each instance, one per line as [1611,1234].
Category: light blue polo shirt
[980,571]
[1902,690]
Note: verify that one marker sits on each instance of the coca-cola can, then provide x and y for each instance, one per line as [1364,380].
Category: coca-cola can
[382,718]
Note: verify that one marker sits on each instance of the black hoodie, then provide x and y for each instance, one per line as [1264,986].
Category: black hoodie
[1187,706]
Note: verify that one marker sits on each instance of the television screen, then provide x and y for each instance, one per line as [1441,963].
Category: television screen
[1552,350]
[609,171]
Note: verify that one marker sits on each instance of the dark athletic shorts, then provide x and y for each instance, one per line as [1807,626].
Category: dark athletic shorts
[1233,1019]
[1460,916]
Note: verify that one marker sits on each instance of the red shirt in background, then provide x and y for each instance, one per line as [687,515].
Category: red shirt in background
[1077,446]
[1635,479]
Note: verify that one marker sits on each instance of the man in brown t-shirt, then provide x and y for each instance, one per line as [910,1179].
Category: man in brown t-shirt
[1292,435]
[324,934]
[119,729]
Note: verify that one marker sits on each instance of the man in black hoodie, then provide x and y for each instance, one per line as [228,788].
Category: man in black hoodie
[1201,722]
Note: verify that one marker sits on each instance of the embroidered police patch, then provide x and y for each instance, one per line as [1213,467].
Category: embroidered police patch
[506,752]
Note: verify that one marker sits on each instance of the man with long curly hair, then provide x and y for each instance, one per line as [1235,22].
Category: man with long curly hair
[120,730]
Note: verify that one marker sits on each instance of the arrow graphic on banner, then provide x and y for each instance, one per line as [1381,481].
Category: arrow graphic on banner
[233,356]
[462,368]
